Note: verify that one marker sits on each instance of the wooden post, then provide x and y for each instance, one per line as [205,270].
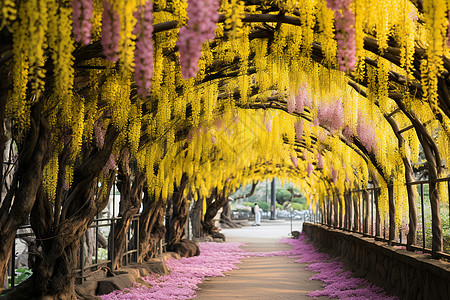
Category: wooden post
[392,225]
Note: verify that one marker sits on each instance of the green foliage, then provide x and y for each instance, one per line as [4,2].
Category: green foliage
[298,206]
[22,274]
[283,195]
[264,205]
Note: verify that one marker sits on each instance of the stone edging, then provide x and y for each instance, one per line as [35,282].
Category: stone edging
[406,274]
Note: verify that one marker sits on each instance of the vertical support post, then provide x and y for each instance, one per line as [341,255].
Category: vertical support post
[111,253]
[377,213]
[363,215]
[82,258]
[423,215]
[273,206]
[392,224]
[137,238]
[126,247]
[13,264]
[96,240]
[372,194]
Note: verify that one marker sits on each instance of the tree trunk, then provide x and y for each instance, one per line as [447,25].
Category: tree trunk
[55,262]
[212,209]
[130,203]
[31,164]
[177,220]
[225,216]
[196,218]
[151,224]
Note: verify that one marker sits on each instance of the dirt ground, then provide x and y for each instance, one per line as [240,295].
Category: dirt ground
[262,277]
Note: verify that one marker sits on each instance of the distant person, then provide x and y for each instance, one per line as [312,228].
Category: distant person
[257,212]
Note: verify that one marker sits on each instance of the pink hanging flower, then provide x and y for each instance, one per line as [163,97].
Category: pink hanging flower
[110,32]
[347,132]
[268,123]
[99,134]
[331,115]
[345,33]
[316,122]
[448,31]
[299,125]
[304,153]
[110,164]
[309,169]
[323,135]
[291,104]
[366,133]
[294,159]
[334,175]
[320,161]
[82,16]
[213,139]
[302,99]
[143,53]
[203,16]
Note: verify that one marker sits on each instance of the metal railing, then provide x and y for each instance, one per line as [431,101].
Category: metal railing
[368,211]
[89,265]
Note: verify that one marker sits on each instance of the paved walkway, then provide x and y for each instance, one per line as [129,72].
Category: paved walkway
[264,278]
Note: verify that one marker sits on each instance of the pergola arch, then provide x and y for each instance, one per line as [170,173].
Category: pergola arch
[98,119]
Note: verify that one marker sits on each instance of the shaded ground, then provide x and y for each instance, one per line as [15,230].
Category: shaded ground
[272,277]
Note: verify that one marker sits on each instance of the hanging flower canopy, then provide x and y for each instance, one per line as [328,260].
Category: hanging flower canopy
[330,95]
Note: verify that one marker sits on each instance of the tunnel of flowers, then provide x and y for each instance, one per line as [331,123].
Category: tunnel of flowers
[177,103]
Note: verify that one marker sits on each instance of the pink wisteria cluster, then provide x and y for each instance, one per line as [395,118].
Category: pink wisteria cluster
[309,169]
[334,175]
[302,99]
[337,282]
[299,125]
[320,161]
[99,134]
[143,53]
[203,16]
[110,164]
[110,32]
[331,115]
[82,16]
[268,122]
[347,132]
[345,33]
[366,133]
[294,159]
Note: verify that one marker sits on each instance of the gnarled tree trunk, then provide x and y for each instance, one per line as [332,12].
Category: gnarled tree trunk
[177,220]
[19,200]
[130,202]
[151,224]
[58,230]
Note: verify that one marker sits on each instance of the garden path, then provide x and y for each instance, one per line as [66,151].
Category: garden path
[265,278]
